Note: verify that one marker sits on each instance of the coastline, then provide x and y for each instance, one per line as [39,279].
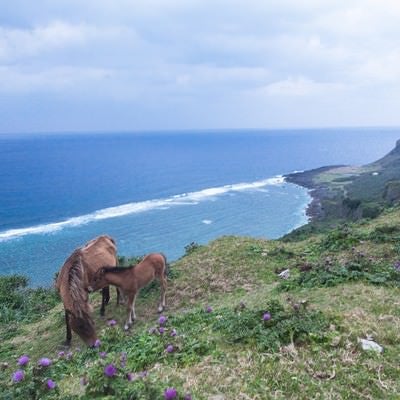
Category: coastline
[317,191]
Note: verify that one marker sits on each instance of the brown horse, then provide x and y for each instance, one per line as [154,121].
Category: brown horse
[73,281]
[131,279]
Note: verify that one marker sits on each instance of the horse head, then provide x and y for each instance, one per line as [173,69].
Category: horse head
[83,325]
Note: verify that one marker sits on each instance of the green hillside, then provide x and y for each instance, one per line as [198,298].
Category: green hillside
[351,192]
[242,332]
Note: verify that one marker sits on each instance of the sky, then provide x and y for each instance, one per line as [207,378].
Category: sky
[97,65]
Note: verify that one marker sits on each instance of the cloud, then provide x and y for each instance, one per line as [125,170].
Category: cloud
[21,44]
[298,86]
[203,63]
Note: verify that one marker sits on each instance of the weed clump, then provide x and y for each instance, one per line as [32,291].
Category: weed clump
[280,328]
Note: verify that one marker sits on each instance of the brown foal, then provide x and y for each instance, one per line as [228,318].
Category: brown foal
[131,279]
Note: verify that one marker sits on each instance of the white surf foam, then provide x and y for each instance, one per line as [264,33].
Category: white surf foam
[140,207]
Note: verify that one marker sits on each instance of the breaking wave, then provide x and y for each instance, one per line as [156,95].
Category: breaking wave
[140,207]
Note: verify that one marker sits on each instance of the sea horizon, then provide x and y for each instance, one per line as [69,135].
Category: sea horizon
[159,191]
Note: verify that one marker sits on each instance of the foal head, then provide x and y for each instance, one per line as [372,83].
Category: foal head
[98,280]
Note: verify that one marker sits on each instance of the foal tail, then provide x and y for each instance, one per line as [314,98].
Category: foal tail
[167,266]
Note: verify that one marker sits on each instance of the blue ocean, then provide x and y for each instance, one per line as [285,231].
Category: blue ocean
[159,191]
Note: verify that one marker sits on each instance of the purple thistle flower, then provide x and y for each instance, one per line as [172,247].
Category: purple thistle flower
[61,354]
[18,376]
[187,397]
[173,332]
[396,266]
[97,343]
[51,384]
[209,309]
[169,348]
[152,330]
[102,354]
[143,374]
[111,322]
[161,330]
[23,360]
[170,394]
[162,320]
[44,362]
[266,316]
[110,370]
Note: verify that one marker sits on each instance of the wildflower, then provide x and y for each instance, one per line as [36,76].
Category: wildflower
[111,322]
[161,330]
[61,354]
[173,332]
[123,359]
[102,354]
[97,343]
[152,330]
[209,309]
[169,348]
[110,370]
[266,316]
[396,266]
[83,381]
[162,320]
[18,376]
[51,384]
[170,394]
[44,362]
[23,360]
[69,355]
[187,397]
[143,374]
[130,376]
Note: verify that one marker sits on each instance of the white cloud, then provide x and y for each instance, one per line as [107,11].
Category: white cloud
[298,86]
[18,44]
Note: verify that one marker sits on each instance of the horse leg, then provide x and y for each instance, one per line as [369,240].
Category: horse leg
[163,289]
[106,291]
[105,297]
[69,334]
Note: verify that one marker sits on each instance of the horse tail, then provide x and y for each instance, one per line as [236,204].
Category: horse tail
[78,294]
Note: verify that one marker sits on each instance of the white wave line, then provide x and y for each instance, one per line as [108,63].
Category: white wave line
[139,207]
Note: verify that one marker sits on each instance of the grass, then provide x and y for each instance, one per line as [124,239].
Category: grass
[309,349]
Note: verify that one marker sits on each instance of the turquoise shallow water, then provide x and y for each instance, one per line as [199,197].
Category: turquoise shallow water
[158,191]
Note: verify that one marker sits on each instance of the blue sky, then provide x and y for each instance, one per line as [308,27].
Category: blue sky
[73,65]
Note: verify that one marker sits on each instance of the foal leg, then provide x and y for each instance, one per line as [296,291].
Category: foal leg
[163,289]
[131,311]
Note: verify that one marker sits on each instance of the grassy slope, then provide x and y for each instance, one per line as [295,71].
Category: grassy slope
[228,271]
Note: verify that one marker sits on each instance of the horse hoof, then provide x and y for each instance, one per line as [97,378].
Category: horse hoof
[126,327]
[160,309]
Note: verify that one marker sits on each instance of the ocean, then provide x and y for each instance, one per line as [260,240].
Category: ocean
[159,191]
